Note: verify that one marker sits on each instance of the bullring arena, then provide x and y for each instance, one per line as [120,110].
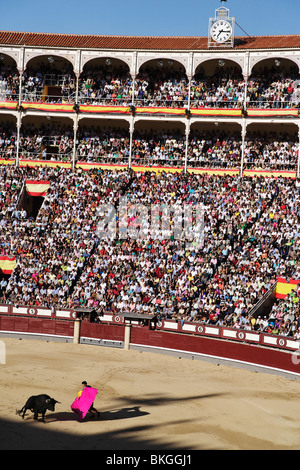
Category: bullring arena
[147,401]
[108,148]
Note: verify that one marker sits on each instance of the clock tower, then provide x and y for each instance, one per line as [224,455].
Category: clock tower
[221,29]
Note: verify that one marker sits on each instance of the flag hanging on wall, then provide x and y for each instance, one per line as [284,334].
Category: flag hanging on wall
[7,264]
[37,188]
[284,287]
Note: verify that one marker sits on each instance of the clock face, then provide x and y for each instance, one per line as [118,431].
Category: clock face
[221,31]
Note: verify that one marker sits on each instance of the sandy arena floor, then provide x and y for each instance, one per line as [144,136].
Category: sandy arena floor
[147,401]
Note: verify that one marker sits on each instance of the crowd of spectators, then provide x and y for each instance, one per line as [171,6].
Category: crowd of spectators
[46,83]
[106,87]
[160,85]
[163,148]
[284,318]
[150,148]
[226,88]
[9,83]
[156,87]
[278,151]
[105,145]
[164,87]
[206,149]
[51,249]
[218,284]
[271,92]
[262,151]
[251,236]
[8,142]
[48,142]
[251,225]
[273,89]
[214,150]
[34,81]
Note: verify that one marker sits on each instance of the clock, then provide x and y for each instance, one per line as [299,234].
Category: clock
[221,31]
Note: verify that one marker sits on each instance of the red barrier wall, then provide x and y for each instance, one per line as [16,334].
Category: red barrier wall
[102,331]
[37,326]
[242,352]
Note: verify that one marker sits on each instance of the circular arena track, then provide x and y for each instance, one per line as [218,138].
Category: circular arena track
[147,401]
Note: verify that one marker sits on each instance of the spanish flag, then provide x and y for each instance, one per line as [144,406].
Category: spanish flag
[159,110]
[85,108]
[57,107]
[37,188]
[255,112]
[284,287]
[216,111]
[7,264]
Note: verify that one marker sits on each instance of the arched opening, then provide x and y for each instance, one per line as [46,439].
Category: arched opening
[49,79]
[272,147]
[46,138]
[9,79]
[104,141]
[8,137]
[161,82]
[274,83]
[215,145]
[157,143]
[105,81]
[218,83]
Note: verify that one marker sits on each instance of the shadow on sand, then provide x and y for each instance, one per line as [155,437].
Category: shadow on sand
[137,435]
[123,413]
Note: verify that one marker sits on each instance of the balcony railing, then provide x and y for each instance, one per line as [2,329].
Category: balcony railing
[39,100]
[33,97]
[57,80]
[270,104]
[46,156]
[105,101]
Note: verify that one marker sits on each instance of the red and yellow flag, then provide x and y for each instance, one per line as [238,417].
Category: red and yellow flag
[255,112]
[7,264]
[284,287]
[37,188]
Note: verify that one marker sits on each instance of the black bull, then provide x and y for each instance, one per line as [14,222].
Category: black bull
[38,404]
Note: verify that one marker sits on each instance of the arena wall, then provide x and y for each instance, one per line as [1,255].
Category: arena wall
[254,351]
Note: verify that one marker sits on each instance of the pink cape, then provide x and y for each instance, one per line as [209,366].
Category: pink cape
[82,405]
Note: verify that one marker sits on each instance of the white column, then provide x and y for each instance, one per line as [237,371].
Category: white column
[133,73]
[20,87]
[77,88]
[131,130]
[133,88]
[298,163]
[127,336]
[246,75]
[75,128]
[243,147]
[76,334]
[19,123]
[190,73]
[189,92]
[187,134]
[246,92]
